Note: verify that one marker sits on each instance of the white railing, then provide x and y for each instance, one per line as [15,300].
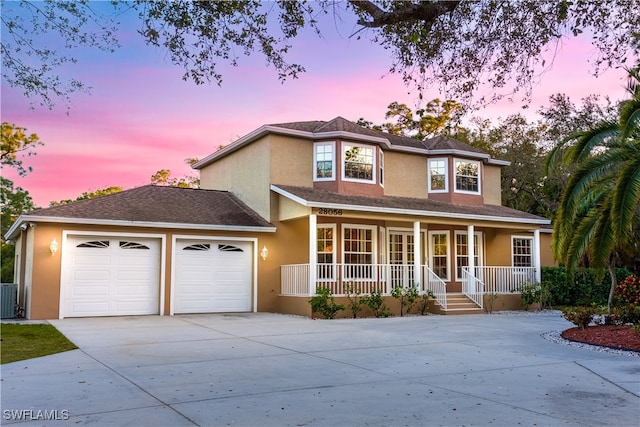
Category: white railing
[472,286]
[294,279]
[363,278]
[505,280]
[433,283]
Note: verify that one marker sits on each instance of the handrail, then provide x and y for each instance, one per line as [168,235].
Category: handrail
[472,287]
[436,285]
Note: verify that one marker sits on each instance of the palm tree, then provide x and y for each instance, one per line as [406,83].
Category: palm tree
[600,202]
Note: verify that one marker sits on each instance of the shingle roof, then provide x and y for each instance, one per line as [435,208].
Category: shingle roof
[340,124]
[315,196]
[158,204]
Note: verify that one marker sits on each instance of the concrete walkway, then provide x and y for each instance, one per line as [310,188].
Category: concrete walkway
[277,370]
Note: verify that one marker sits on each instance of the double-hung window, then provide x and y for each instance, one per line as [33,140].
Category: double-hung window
[467,176]
[522,251]
[358,251]
[324,161]
[438,175]
[439,253]
[359,163]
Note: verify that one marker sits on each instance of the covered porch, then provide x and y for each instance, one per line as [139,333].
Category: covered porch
[304,279]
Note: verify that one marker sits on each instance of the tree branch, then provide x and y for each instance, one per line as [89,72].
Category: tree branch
[423,11]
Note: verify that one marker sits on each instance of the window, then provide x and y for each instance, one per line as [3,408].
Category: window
[438,176]
[358,251]
[439,253]
[462,252]
[359,163]
[229,248]
[94,244]
[467,176]
[381,166]
[522,251]
[133,245]
[323,159]
[325,251]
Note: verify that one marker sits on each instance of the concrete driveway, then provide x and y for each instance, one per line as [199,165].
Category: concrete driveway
[276,370]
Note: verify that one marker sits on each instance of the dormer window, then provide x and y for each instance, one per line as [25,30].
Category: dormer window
[358,163]
[438,175]
[467,176]
[324,161]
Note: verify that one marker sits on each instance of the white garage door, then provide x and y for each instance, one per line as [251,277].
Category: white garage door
[212,276]
[111,276]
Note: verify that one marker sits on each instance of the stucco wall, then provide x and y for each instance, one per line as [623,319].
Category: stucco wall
[245,173]
[405,175]
[492,185]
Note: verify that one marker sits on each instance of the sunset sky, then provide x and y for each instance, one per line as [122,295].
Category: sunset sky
[141,117]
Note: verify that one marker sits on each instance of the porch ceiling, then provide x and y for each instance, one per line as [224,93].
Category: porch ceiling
[405,206]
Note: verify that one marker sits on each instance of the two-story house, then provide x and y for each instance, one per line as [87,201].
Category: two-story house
[285,209]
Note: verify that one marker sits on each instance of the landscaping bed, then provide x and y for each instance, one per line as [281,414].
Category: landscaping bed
[613,336]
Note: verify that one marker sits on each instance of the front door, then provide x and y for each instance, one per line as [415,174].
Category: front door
[401,258]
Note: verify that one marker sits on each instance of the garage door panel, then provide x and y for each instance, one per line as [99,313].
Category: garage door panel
[213,276]
[104,278]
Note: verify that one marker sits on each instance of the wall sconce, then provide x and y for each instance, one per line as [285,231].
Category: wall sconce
[53,247]
[264,253]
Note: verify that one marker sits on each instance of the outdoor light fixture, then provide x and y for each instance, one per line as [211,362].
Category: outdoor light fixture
[53,247]
[264,253]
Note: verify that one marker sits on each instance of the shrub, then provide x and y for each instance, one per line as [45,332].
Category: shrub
[583,290]
[375,302]
[355,300]
[579,316]
[629,313]
[406,295]
[530,294]
[324,303]
[628,291]
[425,302]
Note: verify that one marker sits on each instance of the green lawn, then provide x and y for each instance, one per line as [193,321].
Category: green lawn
[21,342]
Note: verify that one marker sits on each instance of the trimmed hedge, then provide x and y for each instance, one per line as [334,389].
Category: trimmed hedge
[584,290]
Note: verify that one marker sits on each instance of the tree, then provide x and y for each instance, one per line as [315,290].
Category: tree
[16,144]
[458,45]
[13,203]
[435,118]
[89,195]
[600,204]
[163,177]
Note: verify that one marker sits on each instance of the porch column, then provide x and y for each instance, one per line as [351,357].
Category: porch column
[471,247]
[536,255]
[417,254]
[313,258]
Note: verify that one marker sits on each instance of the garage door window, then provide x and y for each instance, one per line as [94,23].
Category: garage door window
[229,248]
[94,244]
[197,247]
[133,245]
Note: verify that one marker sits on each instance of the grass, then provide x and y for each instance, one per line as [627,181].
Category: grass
[21,342]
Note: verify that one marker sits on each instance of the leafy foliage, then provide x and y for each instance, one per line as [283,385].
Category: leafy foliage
[579,316]
[406,295]
[456,45]
[324,303]
[628,291]
[354,298]
[584,289]
[16,143]
[89,195]
[376,304]
[601,201]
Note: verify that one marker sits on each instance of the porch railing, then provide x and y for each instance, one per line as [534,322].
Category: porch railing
[505,280]
[472,286]
[432,282]
[365,278]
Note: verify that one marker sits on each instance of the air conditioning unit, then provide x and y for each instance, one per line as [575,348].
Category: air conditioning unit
[8,299]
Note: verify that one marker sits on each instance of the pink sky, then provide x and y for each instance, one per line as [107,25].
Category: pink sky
[141,117]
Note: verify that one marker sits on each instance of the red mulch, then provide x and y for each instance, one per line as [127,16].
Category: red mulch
[622,337]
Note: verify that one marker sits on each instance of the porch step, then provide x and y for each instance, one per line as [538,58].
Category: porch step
[459,303]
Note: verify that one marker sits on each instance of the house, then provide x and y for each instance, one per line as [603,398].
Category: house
[282,210]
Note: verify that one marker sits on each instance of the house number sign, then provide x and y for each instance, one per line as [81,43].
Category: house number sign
[325,211]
